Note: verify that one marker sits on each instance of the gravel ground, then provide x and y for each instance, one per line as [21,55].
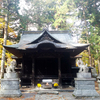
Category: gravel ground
[64,94]
[60,96]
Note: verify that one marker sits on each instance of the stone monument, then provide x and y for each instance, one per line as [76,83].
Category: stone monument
[84,83]
[10,82]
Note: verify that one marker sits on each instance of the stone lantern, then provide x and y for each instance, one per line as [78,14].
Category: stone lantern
[98,80]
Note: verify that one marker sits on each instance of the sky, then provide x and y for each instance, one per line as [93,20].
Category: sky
[22,5]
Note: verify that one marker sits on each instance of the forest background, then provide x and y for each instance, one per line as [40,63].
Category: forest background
[80,17]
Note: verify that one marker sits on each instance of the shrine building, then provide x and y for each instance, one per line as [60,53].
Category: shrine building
[46,55]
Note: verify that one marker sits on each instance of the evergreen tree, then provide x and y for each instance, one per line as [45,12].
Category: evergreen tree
[63,10]
[39,12]
[8,11]
[52,12]
[89,13]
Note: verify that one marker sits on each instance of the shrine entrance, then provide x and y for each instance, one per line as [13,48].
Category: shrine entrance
[46,67]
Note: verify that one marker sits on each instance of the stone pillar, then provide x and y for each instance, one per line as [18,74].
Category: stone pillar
[85,85]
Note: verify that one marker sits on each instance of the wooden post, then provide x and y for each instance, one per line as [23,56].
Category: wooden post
[22,70]
[33,74]
[59,72]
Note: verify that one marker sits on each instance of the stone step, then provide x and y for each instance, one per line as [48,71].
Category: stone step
[48,92]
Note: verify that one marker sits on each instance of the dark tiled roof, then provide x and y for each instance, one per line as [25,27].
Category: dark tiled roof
[31,40]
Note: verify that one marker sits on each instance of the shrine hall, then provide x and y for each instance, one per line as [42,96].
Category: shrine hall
[46,55]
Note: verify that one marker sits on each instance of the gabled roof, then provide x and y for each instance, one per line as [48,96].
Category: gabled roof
[58,36]
[32,39]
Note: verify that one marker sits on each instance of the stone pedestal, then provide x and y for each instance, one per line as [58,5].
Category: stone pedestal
[11,75]
[84,75]
[85,86]
[10,85]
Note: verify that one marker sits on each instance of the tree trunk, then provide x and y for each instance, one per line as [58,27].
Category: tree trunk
[5,40]
[93,60]
[3,51]
[90,60]
[39,26]
[98,66]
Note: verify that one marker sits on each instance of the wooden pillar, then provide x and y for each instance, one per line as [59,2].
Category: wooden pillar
[22,70]
[59,71]
[33,73]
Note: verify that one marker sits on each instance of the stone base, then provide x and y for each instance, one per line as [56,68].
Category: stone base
[48,92]
[10,88]
[10,75]
[10,93]
[10,84]
[49,86]
[85,93]
[84,75]
[85,88]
